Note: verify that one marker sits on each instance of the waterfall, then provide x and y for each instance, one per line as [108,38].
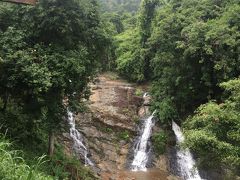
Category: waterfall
[145,95]
[78,146]
[185,159]
[141,152]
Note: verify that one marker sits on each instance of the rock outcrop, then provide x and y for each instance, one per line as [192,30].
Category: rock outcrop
[110,124]
[109,127]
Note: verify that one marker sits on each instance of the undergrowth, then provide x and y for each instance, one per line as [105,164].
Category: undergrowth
[23,164]
[14,167]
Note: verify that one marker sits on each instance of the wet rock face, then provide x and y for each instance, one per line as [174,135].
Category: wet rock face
[110,124]
[144,110]
[114,103]
[147,100]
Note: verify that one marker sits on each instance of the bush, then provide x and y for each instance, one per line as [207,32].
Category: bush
[14,167]
[139,92]
[213,132]
[124,135]
[64,167]
[166,110]
[159,142]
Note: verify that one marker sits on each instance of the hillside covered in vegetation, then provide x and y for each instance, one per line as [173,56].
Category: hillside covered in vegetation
[189,50]
[120,5]
[46,57]
[186,51]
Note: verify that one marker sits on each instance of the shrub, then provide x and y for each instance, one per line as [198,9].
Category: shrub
[139,92]
[124,135]
[159,142]
[213,131]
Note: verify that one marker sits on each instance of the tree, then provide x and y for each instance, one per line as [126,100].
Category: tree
[120,6]
[192,54]
[213,131]
[133,62]
[47,57]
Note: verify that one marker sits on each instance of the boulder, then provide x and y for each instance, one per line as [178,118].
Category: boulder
[162,163]
[147,100]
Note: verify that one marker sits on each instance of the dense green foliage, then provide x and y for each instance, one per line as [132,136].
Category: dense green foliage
[159,142]
[132,59]
[129,63]
[46,57]
[117,16]
[191,55]
[22,165]
[213,132]
[120,6]
[48,54]
[187,49]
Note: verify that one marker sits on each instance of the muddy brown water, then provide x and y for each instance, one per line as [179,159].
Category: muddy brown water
[150,174]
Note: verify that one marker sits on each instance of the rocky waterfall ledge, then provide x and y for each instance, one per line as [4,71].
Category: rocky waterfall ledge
[110,126]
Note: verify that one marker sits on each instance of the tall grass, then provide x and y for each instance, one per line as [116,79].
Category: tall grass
[13,167]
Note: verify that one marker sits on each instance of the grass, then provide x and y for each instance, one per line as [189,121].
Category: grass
[124,135]
[22,165]
[136,119]
[65,167]
[139,92]
[106,129]
[14,167]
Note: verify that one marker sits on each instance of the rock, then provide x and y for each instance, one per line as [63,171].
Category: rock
[113,108]
[162,163]
[83,118]
[143,111]
[96,158]
[124,151]
[66,136]
[91,132]
[136,100]
[108,147]
[112,155]
[122,143]
[96,88]
[114,120]
[156,129]
[147,100]
[174,178]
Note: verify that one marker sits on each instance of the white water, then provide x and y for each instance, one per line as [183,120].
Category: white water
[141,152]
[78,146]
[145,95]
[185,159]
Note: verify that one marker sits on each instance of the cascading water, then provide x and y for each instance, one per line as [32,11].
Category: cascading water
[141,151]
[145,95]
[185,159]
[78,146]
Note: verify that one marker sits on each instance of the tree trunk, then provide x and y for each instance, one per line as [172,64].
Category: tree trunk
[5,101]
[51,143]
